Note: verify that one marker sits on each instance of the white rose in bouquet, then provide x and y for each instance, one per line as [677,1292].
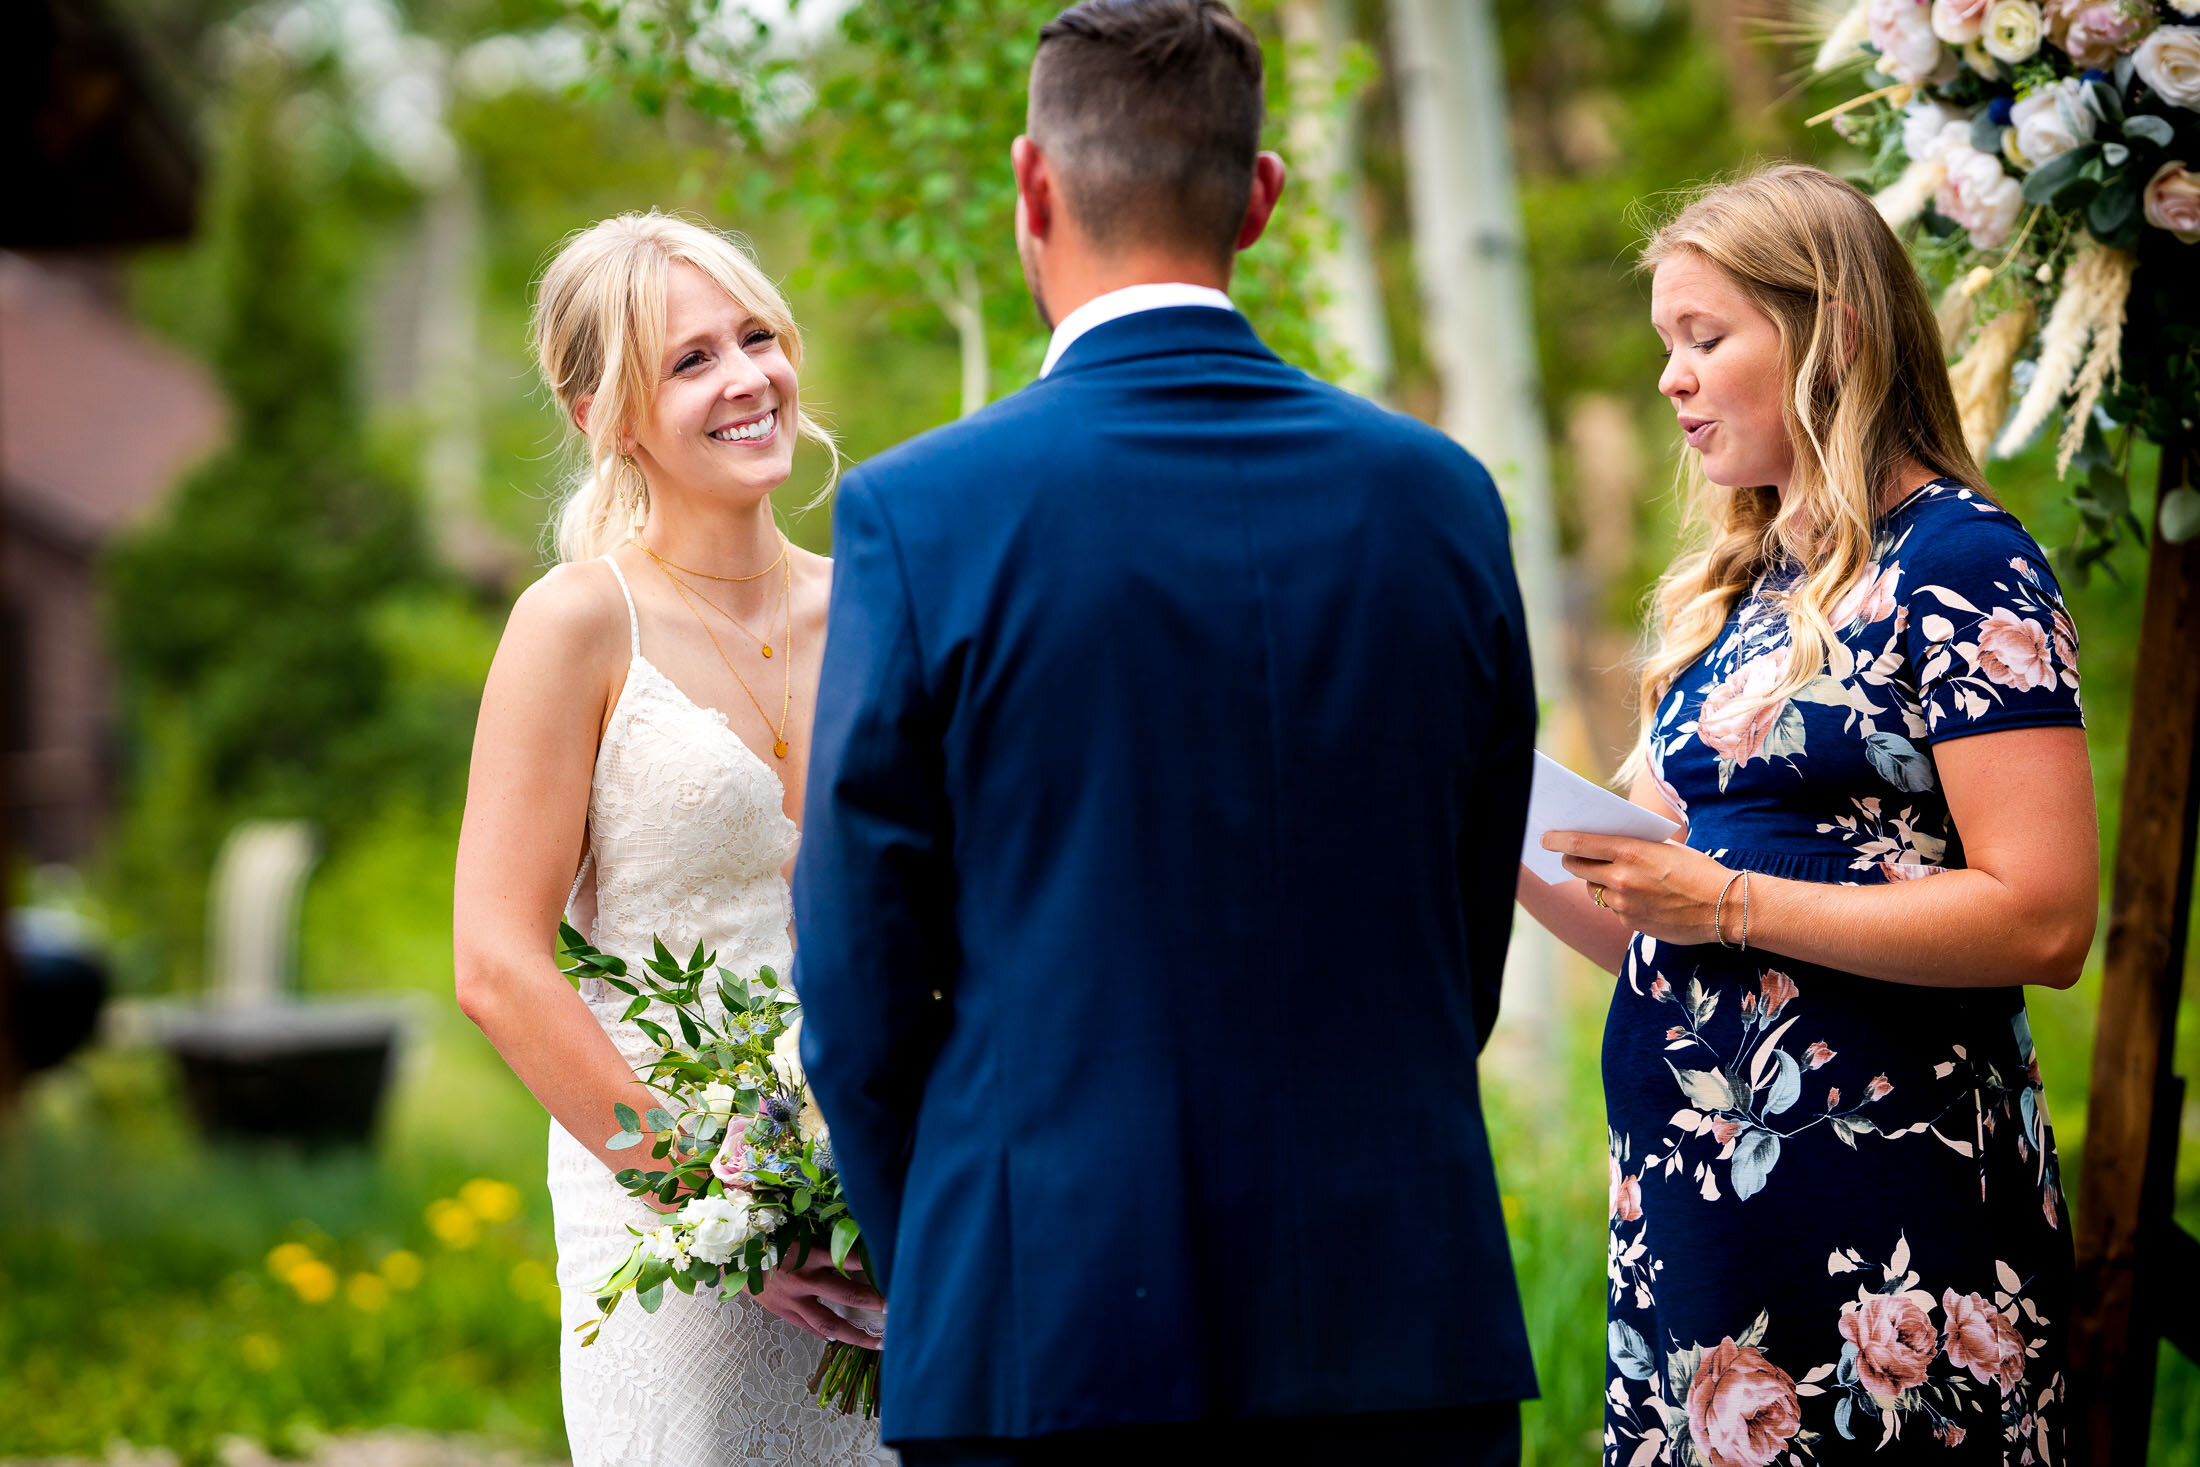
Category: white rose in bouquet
[1960,22]
[2013,30]
[2173,200]
[1903,32]
[787,1056]
[1980,196]
[665,1244]
[2169,63]
[721,1225]
[2053,119]
[716,1106]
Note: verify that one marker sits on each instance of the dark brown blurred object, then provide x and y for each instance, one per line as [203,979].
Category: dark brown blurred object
[97,160]
[2138,1270]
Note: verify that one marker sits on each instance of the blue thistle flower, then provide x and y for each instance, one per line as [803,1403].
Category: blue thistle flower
[1997,111]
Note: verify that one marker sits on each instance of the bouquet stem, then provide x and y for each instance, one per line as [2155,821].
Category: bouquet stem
[846,1379]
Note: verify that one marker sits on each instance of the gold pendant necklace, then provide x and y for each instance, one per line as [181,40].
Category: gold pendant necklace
[786,597]
[786,702]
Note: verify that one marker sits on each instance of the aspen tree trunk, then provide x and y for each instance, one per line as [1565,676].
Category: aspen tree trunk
[1324,138]
[1468,245]
[965,310]
[447,377]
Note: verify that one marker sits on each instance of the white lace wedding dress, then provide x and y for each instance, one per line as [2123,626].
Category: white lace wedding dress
[686,840]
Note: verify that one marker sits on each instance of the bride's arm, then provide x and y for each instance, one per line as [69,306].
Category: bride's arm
[1567,910]
[542,713]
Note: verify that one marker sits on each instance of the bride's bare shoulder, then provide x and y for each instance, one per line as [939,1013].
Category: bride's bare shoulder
[574,611]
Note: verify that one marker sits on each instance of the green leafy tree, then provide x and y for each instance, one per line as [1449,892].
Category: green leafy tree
[252,607]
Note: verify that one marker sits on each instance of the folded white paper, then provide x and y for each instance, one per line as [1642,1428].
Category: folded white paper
[1560,799]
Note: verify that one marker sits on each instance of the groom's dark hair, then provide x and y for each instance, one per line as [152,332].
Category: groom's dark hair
[1151,113]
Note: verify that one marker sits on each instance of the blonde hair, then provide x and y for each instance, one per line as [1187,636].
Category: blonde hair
[1866,390]
[598,332]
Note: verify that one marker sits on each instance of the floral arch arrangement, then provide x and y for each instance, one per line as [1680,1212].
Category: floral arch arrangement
[2043,159]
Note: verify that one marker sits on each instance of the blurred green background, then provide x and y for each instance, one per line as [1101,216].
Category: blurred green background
[302,626]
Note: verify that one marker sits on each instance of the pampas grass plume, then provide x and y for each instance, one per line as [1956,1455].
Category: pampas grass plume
[1981,378]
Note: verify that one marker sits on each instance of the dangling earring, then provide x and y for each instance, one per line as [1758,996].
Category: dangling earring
[634,493]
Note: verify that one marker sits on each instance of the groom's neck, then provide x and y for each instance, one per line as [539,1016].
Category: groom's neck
[1079,281]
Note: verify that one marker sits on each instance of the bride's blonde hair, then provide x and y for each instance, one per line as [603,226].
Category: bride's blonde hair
[1866,390]
[598,333]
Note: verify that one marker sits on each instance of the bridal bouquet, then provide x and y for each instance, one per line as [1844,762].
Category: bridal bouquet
[748,1158]
[2047,153]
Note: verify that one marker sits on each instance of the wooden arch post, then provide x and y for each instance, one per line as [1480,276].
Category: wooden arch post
[2138,1271]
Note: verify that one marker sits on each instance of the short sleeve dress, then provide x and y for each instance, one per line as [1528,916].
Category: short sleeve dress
[1837,1233]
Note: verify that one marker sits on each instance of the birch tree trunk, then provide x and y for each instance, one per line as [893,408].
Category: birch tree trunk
[1468,245]
[965,311]
[446,377]
[1324,138]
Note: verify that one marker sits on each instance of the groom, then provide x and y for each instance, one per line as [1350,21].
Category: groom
[1171,761]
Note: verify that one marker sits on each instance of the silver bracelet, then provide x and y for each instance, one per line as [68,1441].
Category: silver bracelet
[1745,913]
[1718,909]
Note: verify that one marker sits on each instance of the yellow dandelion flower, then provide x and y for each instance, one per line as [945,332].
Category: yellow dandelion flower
[402,1269]
[453,1223]
[368,1293]
[313,1281]
[490,1200]
[529,1279]
[285,1257]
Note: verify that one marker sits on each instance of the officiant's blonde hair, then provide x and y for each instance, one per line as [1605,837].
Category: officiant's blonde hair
[1866,390]
[599,332]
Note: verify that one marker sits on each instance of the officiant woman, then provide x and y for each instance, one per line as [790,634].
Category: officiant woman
[1837,1224]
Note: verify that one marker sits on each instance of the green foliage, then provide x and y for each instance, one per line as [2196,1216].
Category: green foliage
[265,1295]
[250,603]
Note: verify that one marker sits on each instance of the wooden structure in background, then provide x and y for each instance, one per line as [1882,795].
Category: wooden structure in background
[2138,1271]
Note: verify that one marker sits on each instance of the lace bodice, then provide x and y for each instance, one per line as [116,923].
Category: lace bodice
[687,840]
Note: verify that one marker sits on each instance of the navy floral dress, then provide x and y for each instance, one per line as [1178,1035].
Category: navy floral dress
[1837,1232]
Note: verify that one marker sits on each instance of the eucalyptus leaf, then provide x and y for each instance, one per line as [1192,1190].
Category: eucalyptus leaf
[2156,130]
[649,1299]
[2115,155]
[2042,183]
[625,1116]
[623,1140]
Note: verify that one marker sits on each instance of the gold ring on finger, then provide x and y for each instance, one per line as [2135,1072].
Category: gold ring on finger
[1596,894]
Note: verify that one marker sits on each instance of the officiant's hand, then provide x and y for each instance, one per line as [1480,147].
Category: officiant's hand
[1663,888]
[800,1296]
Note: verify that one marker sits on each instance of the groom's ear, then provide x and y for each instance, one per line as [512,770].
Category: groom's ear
[1034,186]
[1268,172]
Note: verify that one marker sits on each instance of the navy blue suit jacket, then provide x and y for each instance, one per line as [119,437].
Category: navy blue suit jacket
[1171,762]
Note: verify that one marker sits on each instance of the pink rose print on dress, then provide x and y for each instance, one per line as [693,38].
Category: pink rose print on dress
[2012,651]
[1819,1053]
[1777,989]
[1871,599]
[2066,640]
[1741,721]
[1742,1408]
[1626,1193]
[1894,1338]
[1982,1340]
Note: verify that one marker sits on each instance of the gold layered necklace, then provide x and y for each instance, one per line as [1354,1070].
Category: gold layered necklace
[786,593]
[687,599]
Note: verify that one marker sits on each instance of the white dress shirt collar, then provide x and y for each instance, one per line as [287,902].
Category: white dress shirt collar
[1124,302]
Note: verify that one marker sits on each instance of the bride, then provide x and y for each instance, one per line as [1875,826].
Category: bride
[639,762]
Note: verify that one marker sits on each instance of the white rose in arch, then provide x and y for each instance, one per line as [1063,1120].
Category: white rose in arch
[1960,22]
[1903,32]
[1979,195]
[2013,29]
[2169,62]
[2053,119]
